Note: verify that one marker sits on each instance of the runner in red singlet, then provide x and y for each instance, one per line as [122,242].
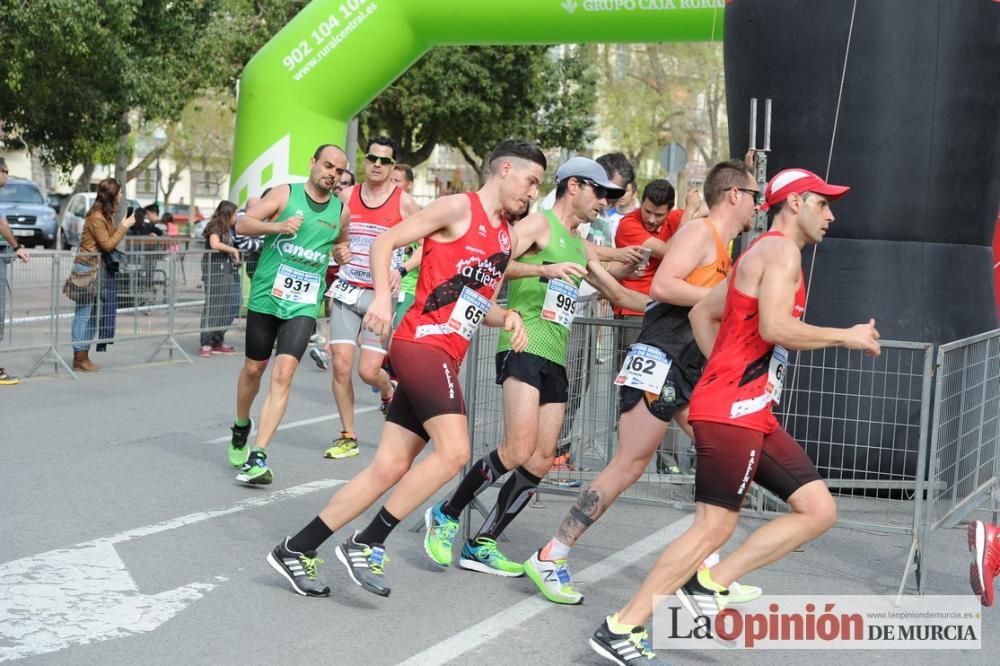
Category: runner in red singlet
[376,205]
[747,323]
[467,244]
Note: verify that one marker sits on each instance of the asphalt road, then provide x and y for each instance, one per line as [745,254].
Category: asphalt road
[127,540]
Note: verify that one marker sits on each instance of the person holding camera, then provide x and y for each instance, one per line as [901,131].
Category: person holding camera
[99,236]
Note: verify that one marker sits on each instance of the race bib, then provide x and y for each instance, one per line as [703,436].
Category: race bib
[560,303]
[776,373]
[469,312]
[295,286]
[345,292]
[645,368]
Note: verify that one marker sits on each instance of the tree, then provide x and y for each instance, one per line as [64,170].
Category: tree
[202,139]
[77,77]
[473,97]
[653,94]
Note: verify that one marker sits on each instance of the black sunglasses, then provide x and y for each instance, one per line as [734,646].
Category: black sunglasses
[4,171]
[379,159]
[600,191]
[752,193]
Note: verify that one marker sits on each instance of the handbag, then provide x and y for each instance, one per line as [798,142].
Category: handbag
[81,287]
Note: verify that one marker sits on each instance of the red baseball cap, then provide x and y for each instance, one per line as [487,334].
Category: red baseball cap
[798,181]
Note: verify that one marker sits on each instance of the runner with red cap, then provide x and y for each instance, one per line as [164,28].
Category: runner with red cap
[746,323]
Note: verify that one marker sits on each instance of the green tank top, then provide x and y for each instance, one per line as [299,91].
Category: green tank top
[290,277]
[408,285]
[547,306]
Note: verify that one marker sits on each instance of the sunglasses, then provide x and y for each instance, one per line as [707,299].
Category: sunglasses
[379,159]
[752,193]
[600,191]
[4,171]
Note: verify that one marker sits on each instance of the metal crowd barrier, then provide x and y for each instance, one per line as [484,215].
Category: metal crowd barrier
[160,292]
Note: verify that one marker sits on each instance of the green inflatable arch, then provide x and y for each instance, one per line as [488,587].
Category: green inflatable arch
[335,56]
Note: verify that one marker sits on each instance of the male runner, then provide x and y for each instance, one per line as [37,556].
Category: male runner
[402,176]
[696,259]
[544,289]
[747,323]
[303,225]
[468,244]
[376,205]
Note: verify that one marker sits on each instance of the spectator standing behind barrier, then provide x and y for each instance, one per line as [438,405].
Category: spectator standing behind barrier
[99,236]
[220,272]
[11,241]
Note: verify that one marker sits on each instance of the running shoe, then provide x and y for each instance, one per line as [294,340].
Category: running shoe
[365,565]
[205,351]
[299,569]
[238,449]
[702,597]
[629,649]
[345,446]
[319,358]
[317,339]
[743,594]
[255,470]
[6,379]
[439,535]
[553,580]
[482,555]
[985,547]
[227,350]
[387,402]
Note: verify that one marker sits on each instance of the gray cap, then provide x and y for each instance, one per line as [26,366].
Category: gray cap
[589,170]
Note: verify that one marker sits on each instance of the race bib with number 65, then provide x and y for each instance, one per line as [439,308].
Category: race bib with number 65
[645,368]
[468,313]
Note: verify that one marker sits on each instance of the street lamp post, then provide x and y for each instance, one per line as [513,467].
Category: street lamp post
[159,138]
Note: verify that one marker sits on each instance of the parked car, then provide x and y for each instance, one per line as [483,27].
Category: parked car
[30,218]
[76,213]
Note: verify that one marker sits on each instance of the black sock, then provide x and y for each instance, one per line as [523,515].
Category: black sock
[487,469]
[514,496]
[311,537]
[378,530]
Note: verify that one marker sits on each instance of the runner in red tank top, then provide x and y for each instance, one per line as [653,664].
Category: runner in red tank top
[376,206]
[467,244]
[747,322]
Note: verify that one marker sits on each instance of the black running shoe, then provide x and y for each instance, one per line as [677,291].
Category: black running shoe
[299,569]
[700,600]
[365,565]
[631,649]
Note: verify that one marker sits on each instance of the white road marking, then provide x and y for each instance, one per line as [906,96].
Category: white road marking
[85,593]
[495,626]
[299,424]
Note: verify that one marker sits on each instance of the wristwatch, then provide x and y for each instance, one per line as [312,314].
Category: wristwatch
[402,271]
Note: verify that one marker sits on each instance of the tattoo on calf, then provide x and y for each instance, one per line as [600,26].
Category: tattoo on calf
[587,509]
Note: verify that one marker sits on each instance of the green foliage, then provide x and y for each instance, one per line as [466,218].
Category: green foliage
[73,73]
[473,97]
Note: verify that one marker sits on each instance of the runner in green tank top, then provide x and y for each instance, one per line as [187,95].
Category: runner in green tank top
[291,269]
[303,225]
[553,259]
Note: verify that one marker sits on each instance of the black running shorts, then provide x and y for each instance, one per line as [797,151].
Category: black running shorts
[548,377]
[730,457]
[675,394]
[263,330]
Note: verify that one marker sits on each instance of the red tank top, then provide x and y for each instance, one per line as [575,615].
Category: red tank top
[457,281]
[366,225]
[744,374]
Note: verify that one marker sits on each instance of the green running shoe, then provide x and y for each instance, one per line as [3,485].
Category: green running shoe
[238,449]
[440,534]
[344,446]
[255,470]
[482,554]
